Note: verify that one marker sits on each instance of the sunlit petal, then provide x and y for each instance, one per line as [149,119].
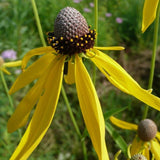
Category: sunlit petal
[32,72]
[5,70]
[70,77]
[43,114]
[158,135]
[12,64]
[111,68]
[110,48]
[20,116]
[91,109]
[149,13]
[145,152]
[137,146]
[122,124]
[37,51]
[155,149]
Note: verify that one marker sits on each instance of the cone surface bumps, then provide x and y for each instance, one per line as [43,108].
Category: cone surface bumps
[147,130]
[71,33]
[70,23]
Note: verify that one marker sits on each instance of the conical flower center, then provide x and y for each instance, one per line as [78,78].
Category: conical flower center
[147,130]
[138,157]
[71,33]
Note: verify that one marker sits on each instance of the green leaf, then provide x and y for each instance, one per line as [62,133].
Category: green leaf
[113,112]
[117,138]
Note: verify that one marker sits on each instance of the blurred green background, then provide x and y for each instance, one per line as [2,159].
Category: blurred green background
[18,31]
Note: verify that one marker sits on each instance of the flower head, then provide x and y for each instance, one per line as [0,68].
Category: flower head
[77,1]
[147,130]
[149,13]
[146,140]
[91,4]
[108,14]
[71,40]
[119,20]
[9,54]
[87,10]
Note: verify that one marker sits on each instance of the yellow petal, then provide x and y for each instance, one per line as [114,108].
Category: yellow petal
[145,152]
[43,114]
[122,124]
[91,109]
[20,116]
[155,149]
[5,70]
[110,48]
[32,72]
[137,145]
[111,68]
[70,77]
[12,64]
[149,13]
[37,51]
[158,135]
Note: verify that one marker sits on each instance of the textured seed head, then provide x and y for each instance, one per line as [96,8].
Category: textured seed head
[138,157]
[147,130]
[70,23]
[71,33]
[1,61]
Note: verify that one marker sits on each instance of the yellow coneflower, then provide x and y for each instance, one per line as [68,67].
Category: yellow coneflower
[147,138]
[71,40]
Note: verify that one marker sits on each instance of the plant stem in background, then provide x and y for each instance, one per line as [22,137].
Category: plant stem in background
[63,90]
[74,121]
[96,40]
[155,38]
[6,89]
[38,22]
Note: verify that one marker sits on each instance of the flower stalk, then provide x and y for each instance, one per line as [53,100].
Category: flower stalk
[6,89]
[38,22]
[153,58]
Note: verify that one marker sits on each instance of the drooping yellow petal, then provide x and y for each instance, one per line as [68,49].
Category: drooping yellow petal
[158,135]
[13,64]
[37,51]
[32,72]
[145,152]
[43,114]
[118,48]
[91,109]
[122,124]
[155,149]
[70,77]
[149,13]
[111,68]
[21,114]
[137,146]
[5,70]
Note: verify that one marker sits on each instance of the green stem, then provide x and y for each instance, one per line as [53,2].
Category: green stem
[6,89]
[70,111]
[38,22]
[96,40]
[63,90]
[74,122]
[155,38]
